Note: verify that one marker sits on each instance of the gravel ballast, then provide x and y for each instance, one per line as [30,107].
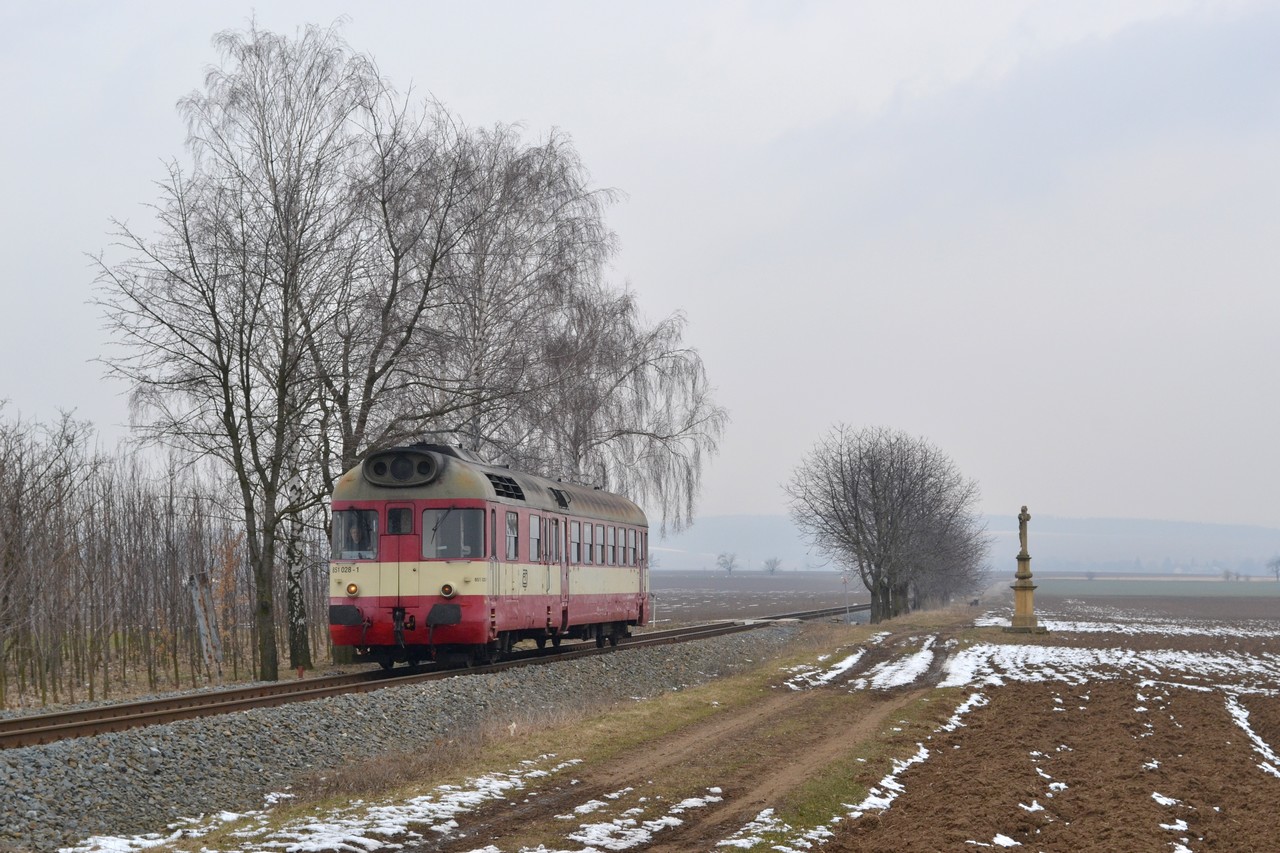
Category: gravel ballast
[142,780]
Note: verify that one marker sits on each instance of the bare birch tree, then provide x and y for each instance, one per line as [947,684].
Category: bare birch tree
[629,408]
[211,310]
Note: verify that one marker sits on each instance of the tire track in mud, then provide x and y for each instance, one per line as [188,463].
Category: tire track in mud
[740,751]
[764,787]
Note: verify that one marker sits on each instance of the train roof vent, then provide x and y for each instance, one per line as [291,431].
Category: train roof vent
[562,498]
[506,487]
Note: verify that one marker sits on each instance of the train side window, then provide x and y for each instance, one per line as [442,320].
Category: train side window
[493,533]
[535,539]
[575,542]
[513,536]
[599,544]
[611,552]
[631,547]
[586,544]
[399,521]
[355,534]
[553,540]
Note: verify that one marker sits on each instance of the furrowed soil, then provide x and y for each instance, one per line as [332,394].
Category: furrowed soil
[1121,760]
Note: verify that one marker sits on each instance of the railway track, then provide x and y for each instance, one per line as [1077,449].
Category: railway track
[47,728]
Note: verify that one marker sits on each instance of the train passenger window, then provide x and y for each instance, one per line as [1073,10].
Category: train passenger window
[513,536]
[553,541]
[586,544]
[355,534]
[575,542]
[612,551]
[399,521]
[452,534]
[631,547]
[599,544]
[535,539]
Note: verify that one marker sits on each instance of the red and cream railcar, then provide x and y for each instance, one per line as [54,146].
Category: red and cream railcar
[437,555]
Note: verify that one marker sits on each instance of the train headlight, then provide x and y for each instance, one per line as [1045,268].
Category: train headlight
[352,589]
[448,591]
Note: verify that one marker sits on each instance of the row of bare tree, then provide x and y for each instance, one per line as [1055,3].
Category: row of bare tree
[338,268]
[896,510]
[100,558]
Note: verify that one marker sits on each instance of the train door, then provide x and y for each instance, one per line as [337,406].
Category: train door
[540,553]
[495,548]
[561,563]
[512,574]
[401,552]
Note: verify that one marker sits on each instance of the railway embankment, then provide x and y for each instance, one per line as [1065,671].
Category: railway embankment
[144,780]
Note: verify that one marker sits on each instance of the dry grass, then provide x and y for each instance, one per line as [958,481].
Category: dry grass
[867,762]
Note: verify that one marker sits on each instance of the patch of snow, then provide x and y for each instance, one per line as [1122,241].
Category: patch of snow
[994,664]
[879,798]
[625,832]
[1239,713]
[808,678]
[1005,841]
[1106,620]
[1163,800]
[900,671]
[359,826]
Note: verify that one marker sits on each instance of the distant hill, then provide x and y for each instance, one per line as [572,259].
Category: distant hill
[1056,544]
[754,538]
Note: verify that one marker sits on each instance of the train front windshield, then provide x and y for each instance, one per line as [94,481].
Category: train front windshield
[452,534]
[355,534]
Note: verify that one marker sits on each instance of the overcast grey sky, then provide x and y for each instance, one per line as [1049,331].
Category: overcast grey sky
[1042,234]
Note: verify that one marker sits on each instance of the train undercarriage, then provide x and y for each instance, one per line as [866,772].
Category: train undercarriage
[453,654]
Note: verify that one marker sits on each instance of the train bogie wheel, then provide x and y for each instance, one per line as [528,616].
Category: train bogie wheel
[613,639]
[599,641]
[555,641]
[542,643]
[386,663]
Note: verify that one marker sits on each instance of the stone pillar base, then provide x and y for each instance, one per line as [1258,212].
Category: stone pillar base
[1024,610]
[1025,629]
